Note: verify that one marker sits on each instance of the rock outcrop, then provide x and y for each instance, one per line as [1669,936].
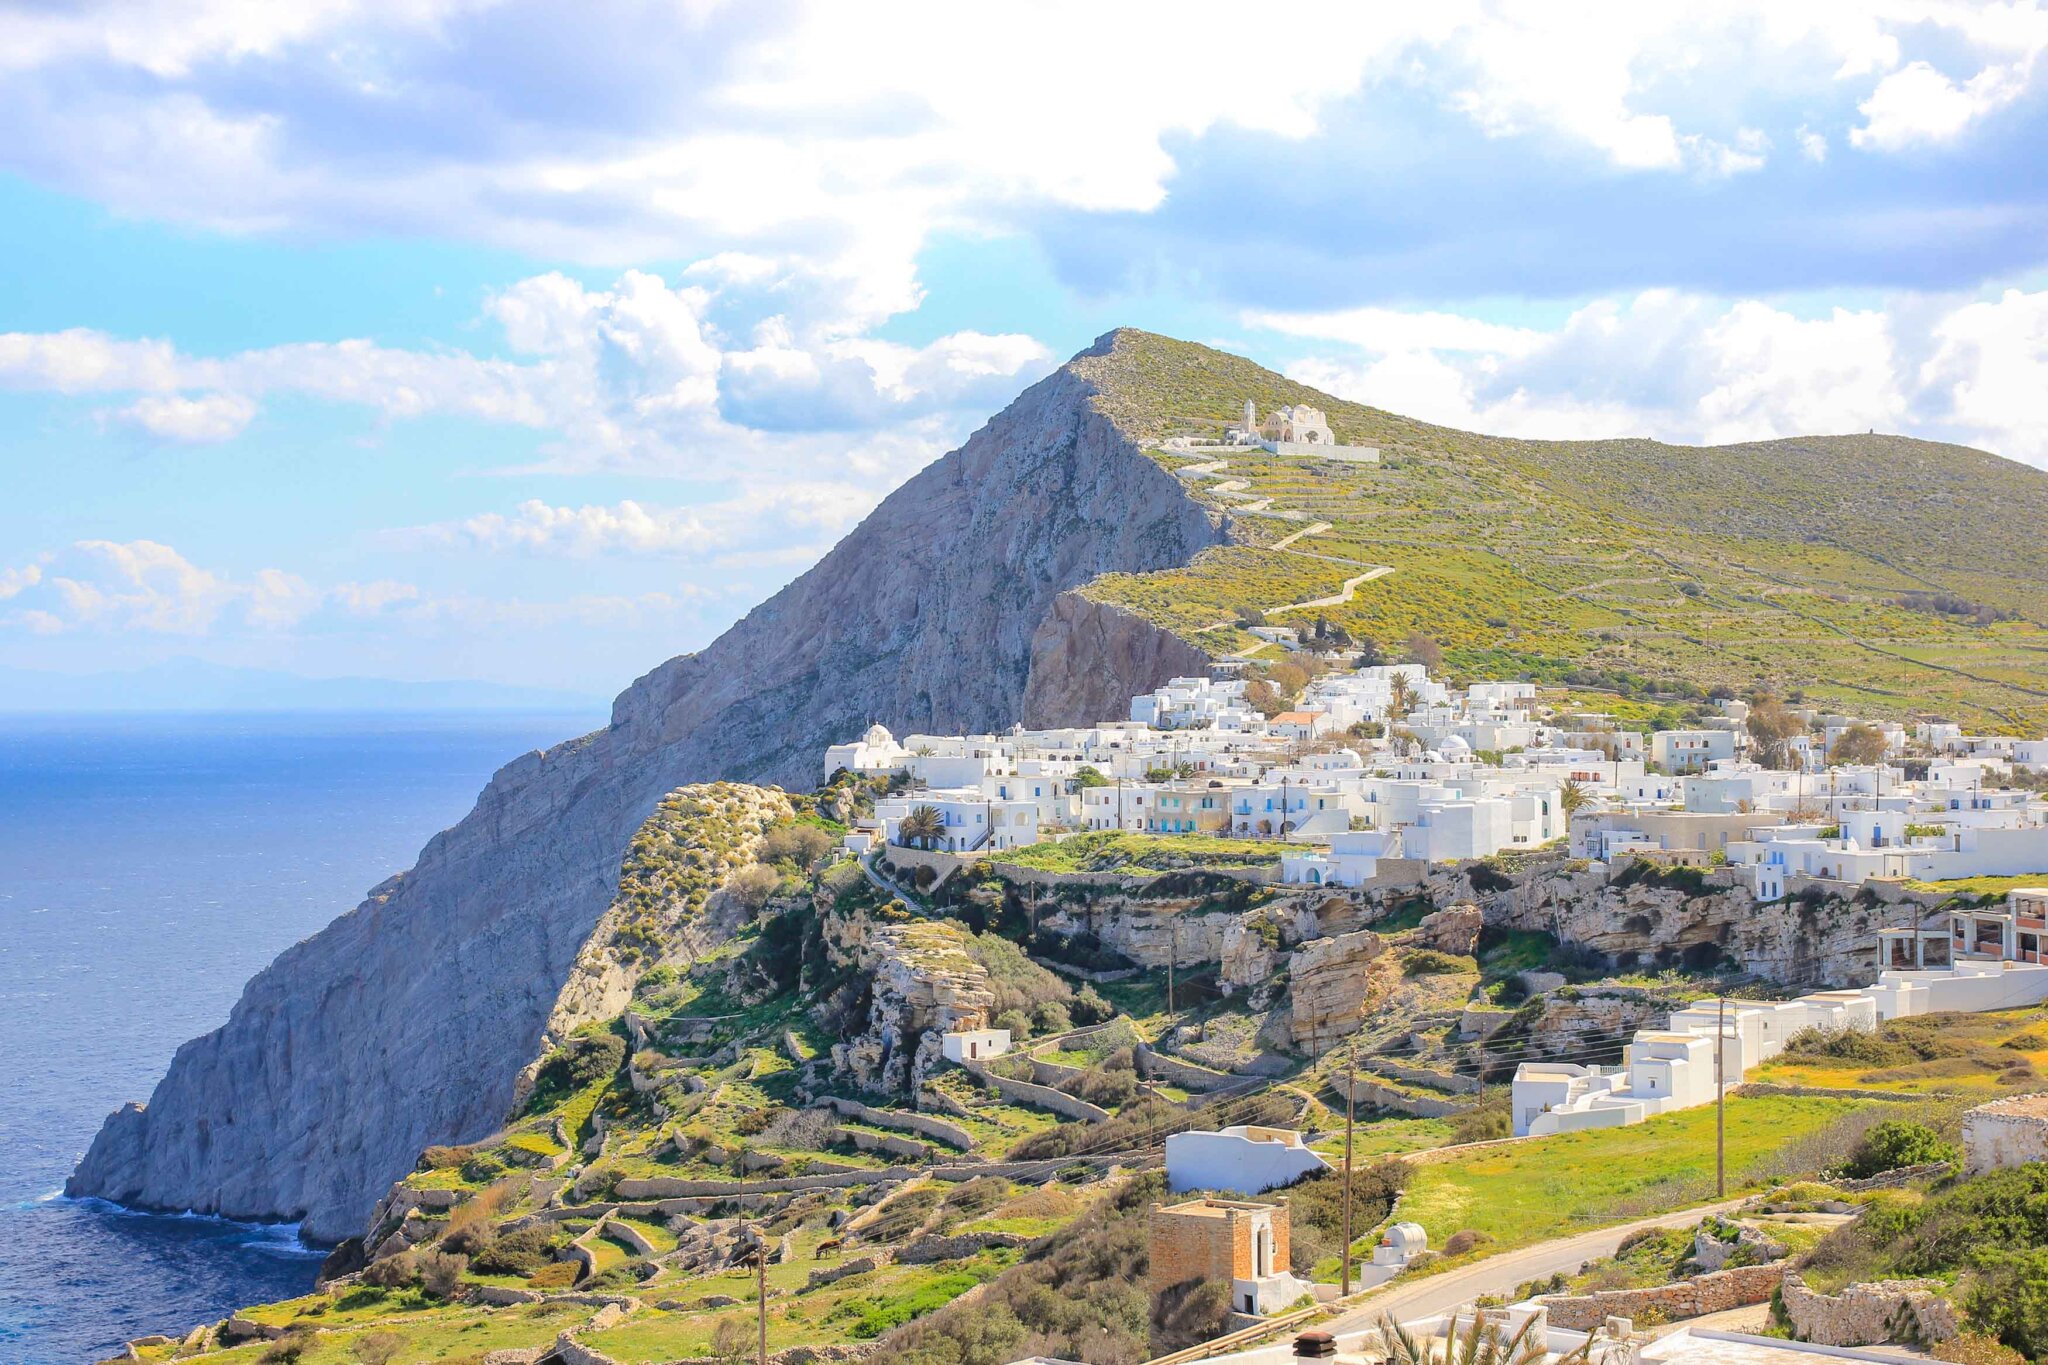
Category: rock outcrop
[1333,987]
[407,1021]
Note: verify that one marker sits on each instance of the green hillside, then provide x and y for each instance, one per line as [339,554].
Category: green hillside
[1880,574]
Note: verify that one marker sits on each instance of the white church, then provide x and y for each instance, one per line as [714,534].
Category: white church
[1296,430]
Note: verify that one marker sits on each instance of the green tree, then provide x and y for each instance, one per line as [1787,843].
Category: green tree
[1859,745]
[1773,727]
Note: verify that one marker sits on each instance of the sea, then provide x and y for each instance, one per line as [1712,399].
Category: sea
[149,865]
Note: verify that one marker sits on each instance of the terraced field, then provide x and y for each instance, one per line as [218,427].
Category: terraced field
[1806,563]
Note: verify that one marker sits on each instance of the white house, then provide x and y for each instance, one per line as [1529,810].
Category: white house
[1675,1067]
[975,1045]
[973,822]
[1690,751]
[1244,1158]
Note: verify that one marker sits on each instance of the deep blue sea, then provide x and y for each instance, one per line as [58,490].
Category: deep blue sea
[148,866]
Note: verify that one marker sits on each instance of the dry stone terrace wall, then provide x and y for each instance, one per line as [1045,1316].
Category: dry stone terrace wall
[1042,1096]
[1714,1293]
[1866,1314]
[950,1133]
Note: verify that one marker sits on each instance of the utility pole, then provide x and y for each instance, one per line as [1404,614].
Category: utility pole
[1350,1085]
[761,1297]
[1721,1102]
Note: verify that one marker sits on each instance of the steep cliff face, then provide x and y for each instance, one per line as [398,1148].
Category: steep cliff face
[407,1021]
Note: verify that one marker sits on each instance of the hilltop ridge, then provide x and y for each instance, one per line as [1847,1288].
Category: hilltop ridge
[1880,573]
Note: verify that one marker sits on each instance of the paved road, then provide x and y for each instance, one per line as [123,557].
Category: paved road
[1503,1273]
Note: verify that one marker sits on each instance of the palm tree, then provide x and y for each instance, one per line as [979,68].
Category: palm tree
[1481,1343]
[922,828]
[1572,798]
[1400,696]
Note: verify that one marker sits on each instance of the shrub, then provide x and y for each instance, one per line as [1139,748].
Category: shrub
[2010,1299]
[520,1252]
[1189,1312]
[1090,1008]
[1104,1087]
[583,1060]
[1464,1240]
[285,1351]
[391,1272]
[1430,962]
[1315,1205]
[751,886]
[1897,1143]
[622,1276]
[555,1275]
[482,1168]
[440,1272]
[1974,1348]
[376,1348]
[1017,1022]
[1050,1016]
[801,844]
[1485,1121]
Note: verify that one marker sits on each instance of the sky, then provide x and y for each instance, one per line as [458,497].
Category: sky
[493,339]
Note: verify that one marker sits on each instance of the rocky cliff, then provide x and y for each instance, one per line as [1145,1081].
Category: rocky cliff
[407,1021]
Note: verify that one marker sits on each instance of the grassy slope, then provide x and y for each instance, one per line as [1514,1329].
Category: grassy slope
[1529,1191]
[1778,561]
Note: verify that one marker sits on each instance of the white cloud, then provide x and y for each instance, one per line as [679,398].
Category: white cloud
[1917,104]
[1989,371]
[1689,368]
[205,418]
[840,137]
[768,515]
[14,582]
[369,599]
[634,377]
[147,587]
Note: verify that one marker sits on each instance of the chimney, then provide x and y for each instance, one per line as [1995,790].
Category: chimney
[1315,1346]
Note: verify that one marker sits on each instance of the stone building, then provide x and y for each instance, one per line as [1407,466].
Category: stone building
[1242,1243]
[2007,1132]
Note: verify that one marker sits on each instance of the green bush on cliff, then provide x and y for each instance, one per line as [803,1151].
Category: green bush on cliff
[581,1062]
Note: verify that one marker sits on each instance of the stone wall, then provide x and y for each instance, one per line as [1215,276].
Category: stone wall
[1040,1096]
[1157,1066]
[950,1133]
[910,1148]
[2007,1132]
[1454,1082]
[1376,1094]
[928,1249]
[1054,1073]
[1702,1294]
[1866,1314]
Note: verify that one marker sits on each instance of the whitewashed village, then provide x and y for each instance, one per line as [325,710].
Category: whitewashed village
[1376,773]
